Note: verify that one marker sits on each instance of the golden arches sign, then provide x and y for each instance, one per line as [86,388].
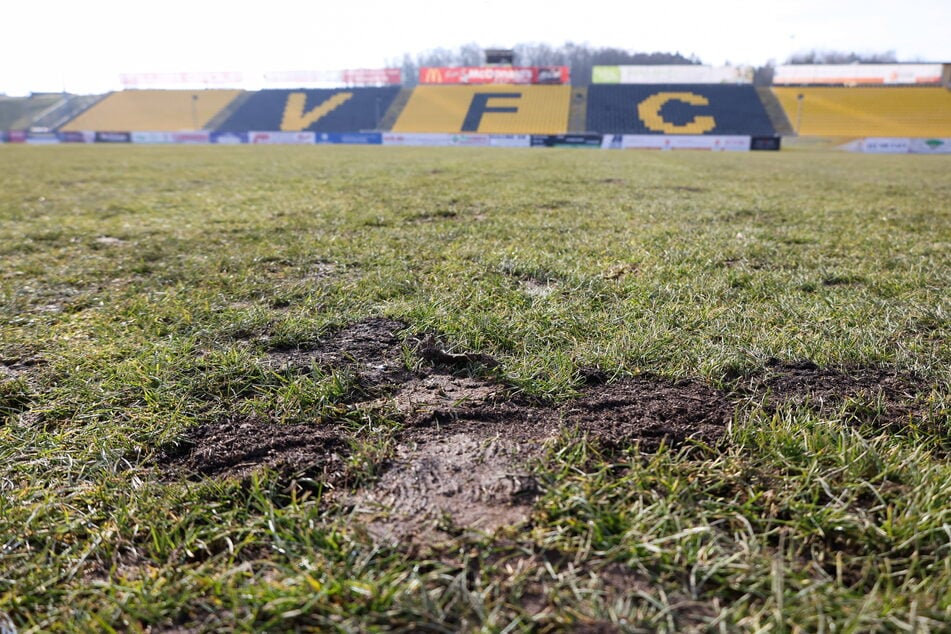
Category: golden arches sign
[649,113]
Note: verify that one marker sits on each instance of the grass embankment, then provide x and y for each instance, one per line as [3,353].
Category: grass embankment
[146,292]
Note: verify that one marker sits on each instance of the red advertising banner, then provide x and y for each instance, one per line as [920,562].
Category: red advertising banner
[494,75]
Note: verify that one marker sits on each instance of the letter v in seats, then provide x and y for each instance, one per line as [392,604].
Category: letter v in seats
[295,119]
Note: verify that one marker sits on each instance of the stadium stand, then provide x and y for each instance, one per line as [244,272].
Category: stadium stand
[899,111]
[19,113]
[676,109]
[315,110]
[487,109]
[153,111]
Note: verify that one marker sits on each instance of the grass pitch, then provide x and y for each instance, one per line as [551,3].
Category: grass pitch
[318,321]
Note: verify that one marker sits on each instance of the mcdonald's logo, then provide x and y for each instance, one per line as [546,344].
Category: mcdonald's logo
[431,75]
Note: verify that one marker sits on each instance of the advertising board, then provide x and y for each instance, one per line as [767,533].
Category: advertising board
[436,140]
[851,74]
[151,138]
[494,75]
[672,74]
[3,136]
[77,136]
[930,146]
[510,140]
[179,80]
[113,137]
[42,138]
[567,140]
[350,77]
[229,138]
[191,138]
[732,143]
[886,145]
[350,138]
[16,136]
[281,138]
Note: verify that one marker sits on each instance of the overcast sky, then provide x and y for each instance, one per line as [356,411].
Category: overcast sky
[83,46]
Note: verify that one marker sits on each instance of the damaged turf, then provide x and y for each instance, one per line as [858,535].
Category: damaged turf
[461,458]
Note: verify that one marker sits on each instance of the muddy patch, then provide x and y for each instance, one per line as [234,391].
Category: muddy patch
[235,448]
[462,458]
[372,349]
[449,482]
[868,394]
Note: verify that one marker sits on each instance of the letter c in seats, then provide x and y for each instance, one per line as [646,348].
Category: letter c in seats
[649,113]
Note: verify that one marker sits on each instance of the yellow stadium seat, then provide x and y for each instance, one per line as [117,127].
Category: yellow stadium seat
[899,111]
[487,109]
[153,111]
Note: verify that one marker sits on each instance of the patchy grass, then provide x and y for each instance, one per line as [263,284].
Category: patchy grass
[321,322]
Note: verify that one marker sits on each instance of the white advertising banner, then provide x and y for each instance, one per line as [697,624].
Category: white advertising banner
[151,138]
[282,138]
[181,80]
[930,146]
[672,74]
[712,143]
[437,140]
[191,138]
[884,145]
[857,74]
[510,140]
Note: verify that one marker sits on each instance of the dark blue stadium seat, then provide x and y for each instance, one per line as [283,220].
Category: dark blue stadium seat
[676,109]
[324,110]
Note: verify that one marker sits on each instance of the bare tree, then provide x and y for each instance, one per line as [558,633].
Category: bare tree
[816,56]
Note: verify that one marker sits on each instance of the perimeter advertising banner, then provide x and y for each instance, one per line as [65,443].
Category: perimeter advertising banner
[857,74]
[113,137]
[42,138]
[16,136]
[350,77]
[436,140]
[731,143]
[494,75]
[229,138]
[898,145]
[281,138]
[930,146]
[178,80]
[77,137]
[672,74]
[350,138]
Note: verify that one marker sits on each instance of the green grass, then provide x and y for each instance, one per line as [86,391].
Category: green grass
[142,288]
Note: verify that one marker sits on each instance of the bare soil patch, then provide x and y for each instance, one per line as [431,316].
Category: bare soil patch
[237,447]
[462,458]
[872,394]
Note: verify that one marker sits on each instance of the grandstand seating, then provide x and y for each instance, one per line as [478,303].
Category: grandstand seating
[326,110]
[893,111]
[19,113]
[676,109]
[487,109]
[153,110]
